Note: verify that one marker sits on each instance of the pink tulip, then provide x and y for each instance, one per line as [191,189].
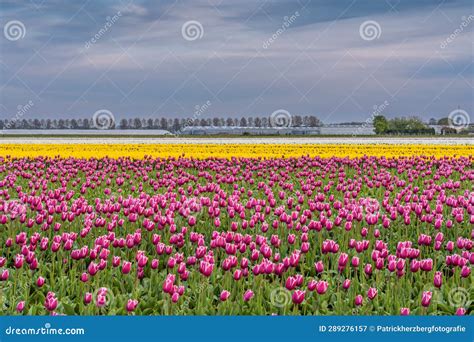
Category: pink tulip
[319,266]
[19,260]
[312,284]
[50,302]
[368,269]
[224,295]
[372,293]
[465,271]
[298,296]
[438,279]
[87,298]
[175,297]
[358,300]
[460,312]
[93,268]
[290,283]
[426,298]
[404,311]
[84,277]
[126,267]
[116,261]
[20,306]
[101,300]
[131,305]
[321,287]
[168,286]
[40,281]
[4,275]
[248,295]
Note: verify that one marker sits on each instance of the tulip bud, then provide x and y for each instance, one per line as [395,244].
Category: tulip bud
[126,267]
[426,298]
[298,296]
[372,293]
[175,297]
[87,298]
[321,287]
[4,275]
[319,266]
[20,306]
[465,271]
[40,281]
[404,311]
[248,295]
[224,295]
[131,305]
[438,279]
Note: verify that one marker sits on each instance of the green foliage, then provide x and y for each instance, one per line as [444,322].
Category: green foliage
[380,124]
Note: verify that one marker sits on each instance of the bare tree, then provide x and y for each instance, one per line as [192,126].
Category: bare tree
[150,123]
[137,123]
[250,121]
[297,121]
[163,123]
[124,124]
[314,121]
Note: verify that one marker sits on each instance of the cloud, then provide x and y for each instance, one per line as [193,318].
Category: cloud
[75,58]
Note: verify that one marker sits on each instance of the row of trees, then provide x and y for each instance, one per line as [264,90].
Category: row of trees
[173,125]
[404,125]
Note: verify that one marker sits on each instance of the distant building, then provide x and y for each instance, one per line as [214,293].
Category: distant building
[341,129]
[334,129]
[213,130]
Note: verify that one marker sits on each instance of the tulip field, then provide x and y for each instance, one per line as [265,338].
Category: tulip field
[236,230]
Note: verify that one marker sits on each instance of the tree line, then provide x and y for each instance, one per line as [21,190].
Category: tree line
[173,125]
[403,125]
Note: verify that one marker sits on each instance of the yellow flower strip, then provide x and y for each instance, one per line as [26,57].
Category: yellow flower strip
[230,150]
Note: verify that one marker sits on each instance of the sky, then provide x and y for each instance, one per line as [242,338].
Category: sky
[341,60]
